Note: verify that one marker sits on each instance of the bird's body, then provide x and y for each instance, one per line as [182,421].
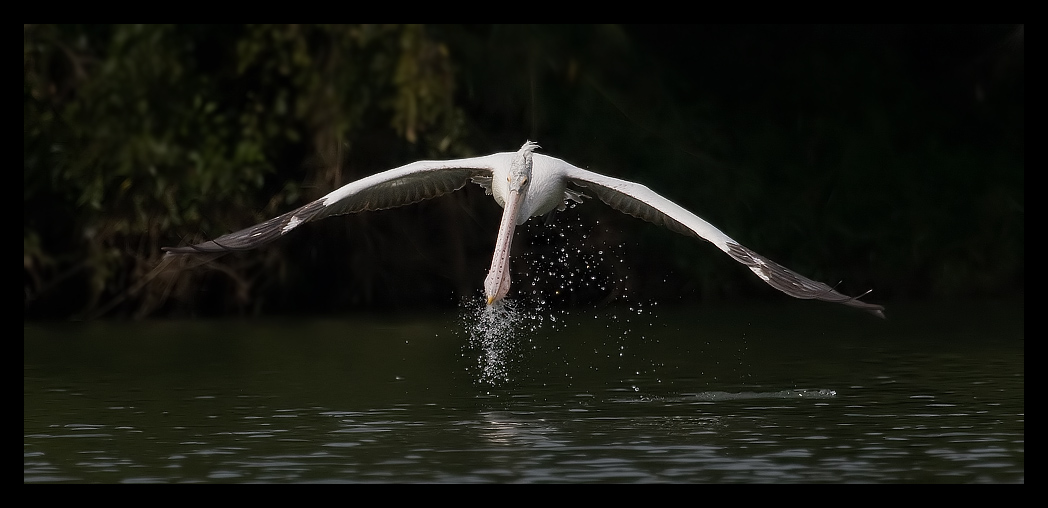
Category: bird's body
[525,184]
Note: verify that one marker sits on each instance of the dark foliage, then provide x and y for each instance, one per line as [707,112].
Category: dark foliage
[887,157]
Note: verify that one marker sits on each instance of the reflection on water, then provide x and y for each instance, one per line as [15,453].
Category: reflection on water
[782,394]
[714,395]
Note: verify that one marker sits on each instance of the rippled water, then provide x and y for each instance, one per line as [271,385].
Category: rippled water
[794,393]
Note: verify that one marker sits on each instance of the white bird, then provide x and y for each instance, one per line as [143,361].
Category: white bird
[525,184]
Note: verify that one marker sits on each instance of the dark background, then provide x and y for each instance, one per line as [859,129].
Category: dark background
[869,157]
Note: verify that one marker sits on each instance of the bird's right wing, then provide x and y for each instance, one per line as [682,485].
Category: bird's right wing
[641,202]
[405,185]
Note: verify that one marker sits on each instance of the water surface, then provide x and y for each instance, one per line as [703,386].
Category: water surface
[799,392]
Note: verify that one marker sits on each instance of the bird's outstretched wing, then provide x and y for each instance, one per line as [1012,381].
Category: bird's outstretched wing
[641,202]
[405,185]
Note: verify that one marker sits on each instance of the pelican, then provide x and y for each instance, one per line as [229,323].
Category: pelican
[525,184]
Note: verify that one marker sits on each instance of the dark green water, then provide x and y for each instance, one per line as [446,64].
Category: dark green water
[801,392]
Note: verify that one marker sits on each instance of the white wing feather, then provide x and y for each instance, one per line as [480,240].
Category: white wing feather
[641,202]
[401,186]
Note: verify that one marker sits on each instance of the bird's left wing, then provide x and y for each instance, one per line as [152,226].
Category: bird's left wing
[641,202]
[405,185]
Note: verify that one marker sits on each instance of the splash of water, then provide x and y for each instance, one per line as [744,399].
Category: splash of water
[565,265]
[497,336]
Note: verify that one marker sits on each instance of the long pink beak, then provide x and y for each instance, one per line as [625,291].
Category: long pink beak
[496,285]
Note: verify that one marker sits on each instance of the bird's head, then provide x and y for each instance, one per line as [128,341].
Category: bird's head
[520,169]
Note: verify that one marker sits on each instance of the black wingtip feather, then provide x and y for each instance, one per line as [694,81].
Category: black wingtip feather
[254,236]
[796,285]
